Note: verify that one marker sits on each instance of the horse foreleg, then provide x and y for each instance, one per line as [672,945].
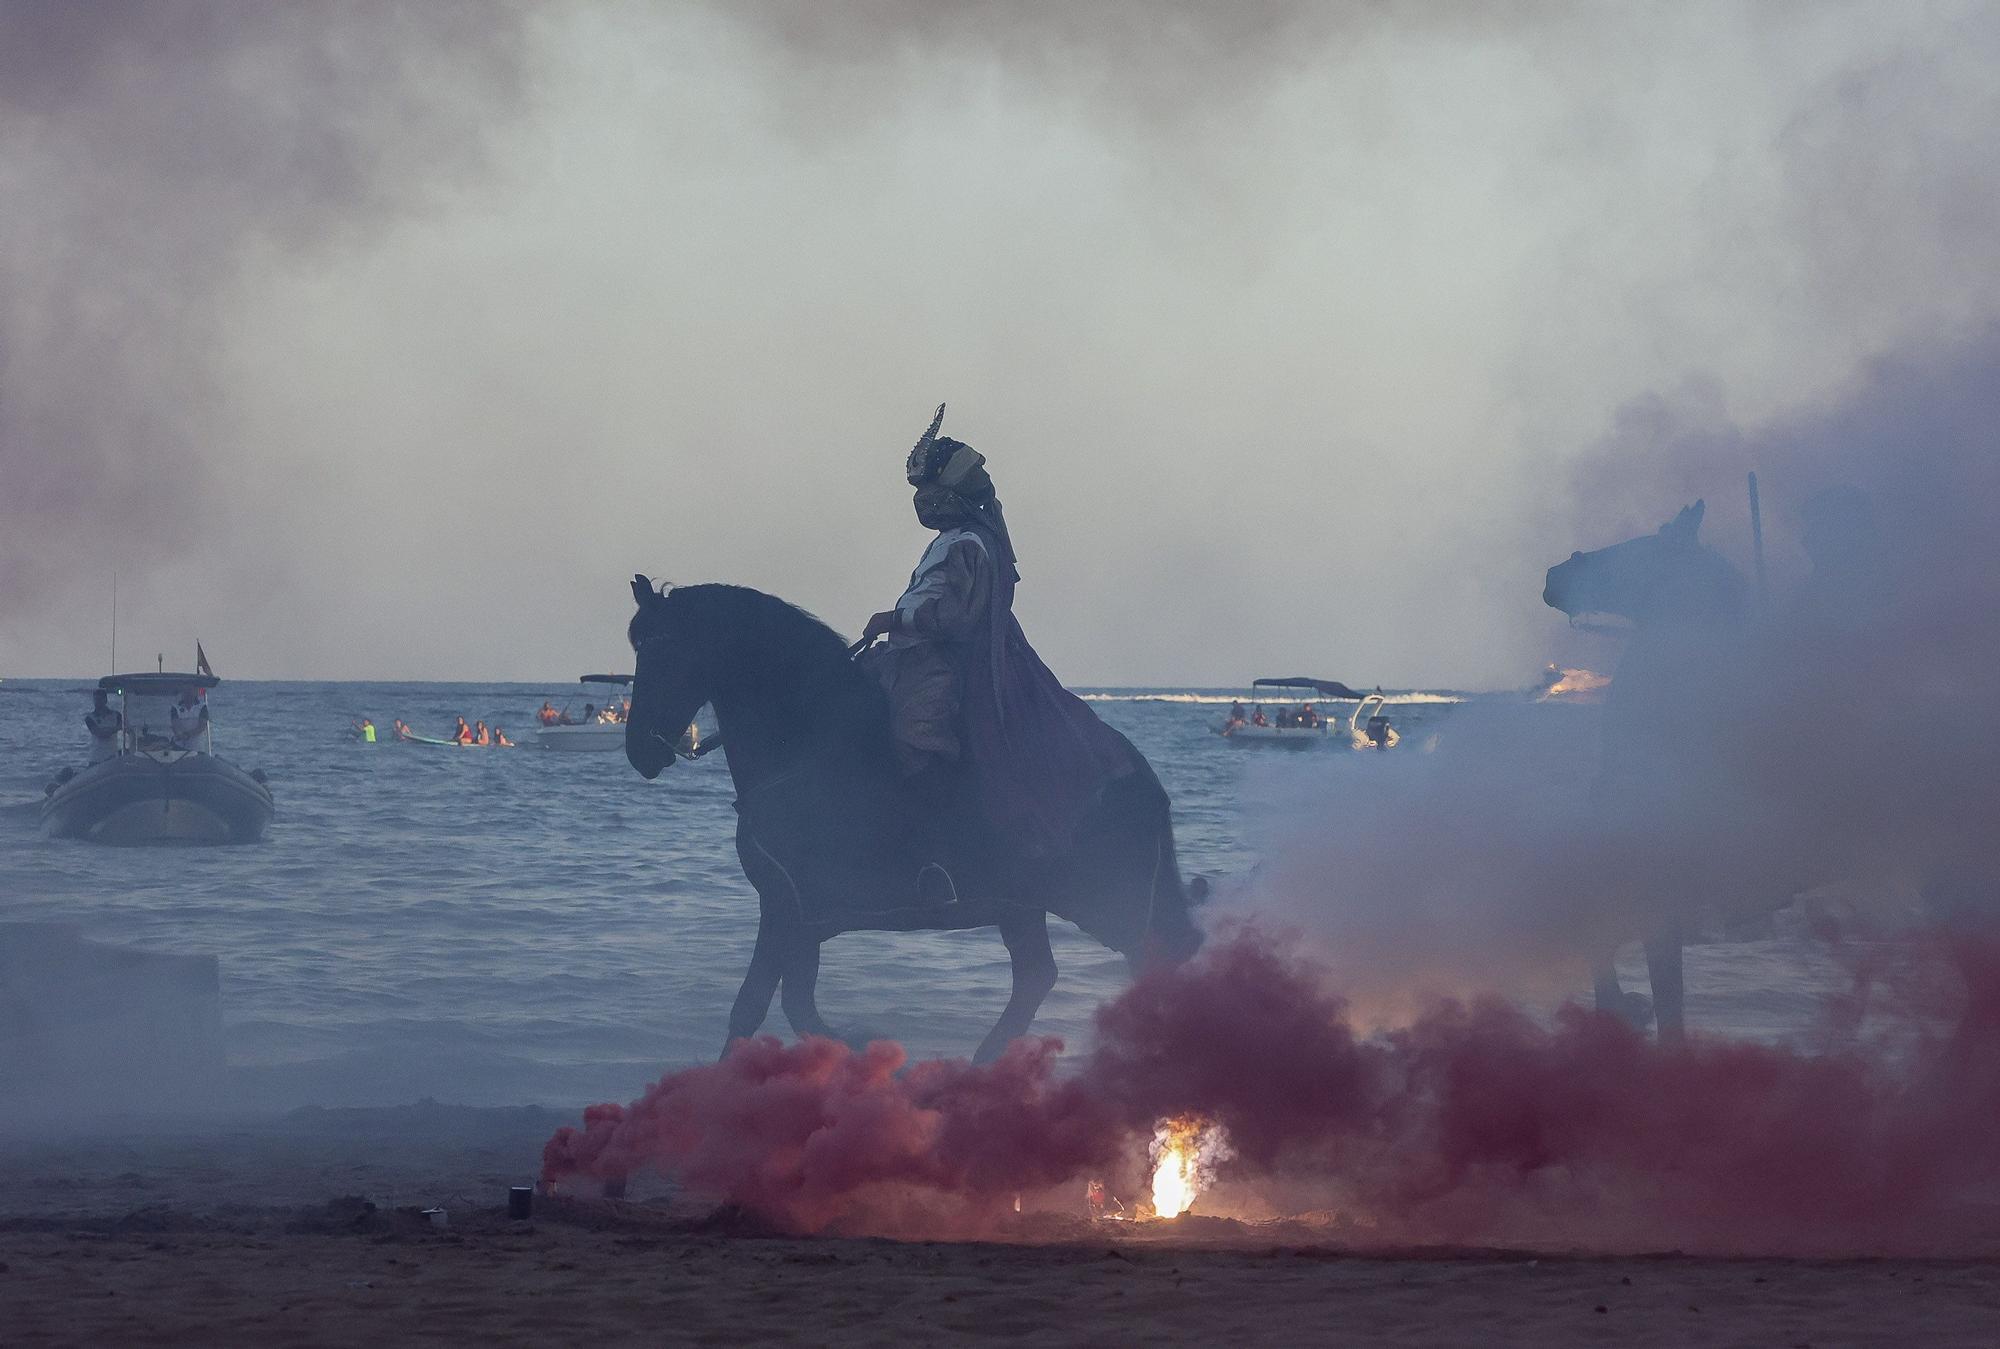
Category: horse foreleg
[800,959]
[760,983]
[1034,965]
[1663,969]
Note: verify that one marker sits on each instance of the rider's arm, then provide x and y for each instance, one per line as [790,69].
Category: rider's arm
[950,601]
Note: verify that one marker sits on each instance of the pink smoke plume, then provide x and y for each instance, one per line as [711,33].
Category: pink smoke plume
[1475,1123]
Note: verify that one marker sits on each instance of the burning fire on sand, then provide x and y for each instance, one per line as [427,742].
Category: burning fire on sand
[1184,1152]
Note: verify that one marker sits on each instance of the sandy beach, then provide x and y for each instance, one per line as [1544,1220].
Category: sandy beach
[306,1229]
[343,1275]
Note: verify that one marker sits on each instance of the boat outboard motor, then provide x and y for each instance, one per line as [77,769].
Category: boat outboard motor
[1378,731]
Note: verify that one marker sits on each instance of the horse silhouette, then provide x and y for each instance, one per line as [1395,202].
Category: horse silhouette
[1685,604]
[830,834]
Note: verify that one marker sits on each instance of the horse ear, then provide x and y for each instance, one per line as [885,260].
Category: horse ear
[1686,525]
[642,589]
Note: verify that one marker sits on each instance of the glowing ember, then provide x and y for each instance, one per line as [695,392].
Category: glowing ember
[1184,1153]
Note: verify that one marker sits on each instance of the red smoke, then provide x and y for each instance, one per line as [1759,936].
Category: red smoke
[1475,1124]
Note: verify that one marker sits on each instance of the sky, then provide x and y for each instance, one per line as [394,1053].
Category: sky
[387,341]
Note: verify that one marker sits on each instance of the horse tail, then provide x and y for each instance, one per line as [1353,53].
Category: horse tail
[1171,935]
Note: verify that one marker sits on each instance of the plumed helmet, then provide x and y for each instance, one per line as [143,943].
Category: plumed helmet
[947,462]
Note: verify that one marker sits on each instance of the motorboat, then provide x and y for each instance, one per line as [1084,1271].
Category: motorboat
[592,719]
[154,775]
[1295,720]
[600,722]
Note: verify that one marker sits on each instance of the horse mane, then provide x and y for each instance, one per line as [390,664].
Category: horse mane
[760,620]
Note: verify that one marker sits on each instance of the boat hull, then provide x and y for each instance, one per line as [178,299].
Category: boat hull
[597,737]
[140,799]
[1280,737]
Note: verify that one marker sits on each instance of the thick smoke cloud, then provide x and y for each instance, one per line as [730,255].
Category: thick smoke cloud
[1259,309]
[1475,1124]
[152,153]
[1825,750]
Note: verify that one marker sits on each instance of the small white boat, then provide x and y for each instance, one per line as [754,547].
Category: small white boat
[594,719]
[153,775]
[1296,722]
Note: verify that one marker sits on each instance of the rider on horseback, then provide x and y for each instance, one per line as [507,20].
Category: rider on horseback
[979,721]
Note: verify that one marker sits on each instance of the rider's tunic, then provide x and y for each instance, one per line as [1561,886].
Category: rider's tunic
[965,686]
[941,615]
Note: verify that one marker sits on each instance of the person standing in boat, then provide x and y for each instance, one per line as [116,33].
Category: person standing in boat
[188,719]
[979,722]
[104,723]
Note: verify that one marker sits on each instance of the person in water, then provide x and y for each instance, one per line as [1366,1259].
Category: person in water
[981,727]
[366,730]
[500,739]
[462,733]
[480,735]
[104,723]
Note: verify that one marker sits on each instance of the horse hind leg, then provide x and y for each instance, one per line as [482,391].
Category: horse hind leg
[798,994]
[1171,936]
[1665,972]
[1034,968]
[1634,1009]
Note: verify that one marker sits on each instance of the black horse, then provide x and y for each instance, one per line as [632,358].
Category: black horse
[1686,604]
[824,818]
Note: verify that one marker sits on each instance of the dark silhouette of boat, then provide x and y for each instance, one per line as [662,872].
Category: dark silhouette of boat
[154,776]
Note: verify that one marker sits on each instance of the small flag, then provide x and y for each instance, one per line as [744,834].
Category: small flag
[201,660]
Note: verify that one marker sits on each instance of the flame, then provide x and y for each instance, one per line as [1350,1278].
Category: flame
[1184,1153]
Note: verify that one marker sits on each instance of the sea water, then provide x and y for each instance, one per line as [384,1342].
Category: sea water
[511,925]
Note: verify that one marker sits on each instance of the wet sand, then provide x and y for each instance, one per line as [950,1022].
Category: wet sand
[390,1280]
[234,1234]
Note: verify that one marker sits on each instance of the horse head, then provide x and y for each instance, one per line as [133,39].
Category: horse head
[1667,575]
[780,681]
[666,686]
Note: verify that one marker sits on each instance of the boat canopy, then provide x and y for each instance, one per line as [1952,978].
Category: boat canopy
[1326,688]
[604,679]
[156,684]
